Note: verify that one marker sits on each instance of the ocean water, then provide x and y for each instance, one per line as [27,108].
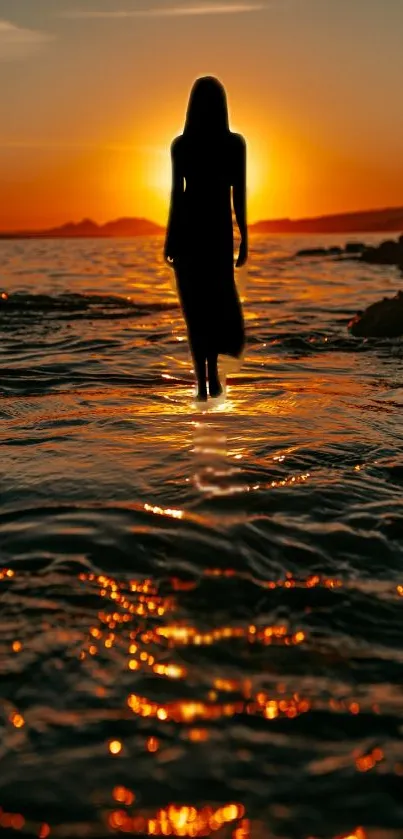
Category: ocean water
[200,610]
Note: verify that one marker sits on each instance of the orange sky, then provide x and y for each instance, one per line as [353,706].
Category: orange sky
[92,92]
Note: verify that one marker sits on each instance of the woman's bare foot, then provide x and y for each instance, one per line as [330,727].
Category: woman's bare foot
[215,388]
[214,384]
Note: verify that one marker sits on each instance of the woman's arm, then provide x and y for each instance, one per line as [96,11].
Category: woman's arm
[239,199]
[171,240]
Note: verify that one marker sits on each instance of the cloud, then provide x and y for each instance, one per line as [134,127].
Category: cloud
[17,42]
[173,11]
[46,146]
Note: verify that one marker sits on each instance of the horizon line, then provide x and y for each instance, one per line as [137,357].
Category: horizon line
[282,219]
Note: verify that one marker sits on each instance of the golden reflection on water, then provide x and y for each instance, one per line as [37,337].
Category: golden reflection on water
[145,648]
[6,573]
[17,720]
[176,820]
[214,474]
[160,511]
[185,820]
[173,820]
[366,762]
[17,822]
[137,617]
[188,711]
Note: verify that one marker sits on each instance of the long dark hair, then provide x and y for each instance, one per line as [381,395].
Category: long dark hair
[207,112]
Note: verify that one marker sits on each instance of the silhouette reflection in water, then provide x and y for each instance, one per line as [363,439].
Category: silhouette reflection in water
[208,164]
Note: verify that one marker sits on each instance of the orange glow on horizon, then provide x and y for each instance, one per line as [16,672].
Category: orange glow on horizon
[88,115]
[287,176]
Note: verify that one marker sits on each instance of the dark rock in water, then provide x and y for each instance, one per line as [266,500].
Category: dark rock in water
[368,255]
[387,253]
[355,247]
[383,319]
[312,252]
[334,251]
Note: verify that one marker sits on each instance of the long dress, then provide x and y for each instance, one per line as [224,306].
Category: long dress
[200,238]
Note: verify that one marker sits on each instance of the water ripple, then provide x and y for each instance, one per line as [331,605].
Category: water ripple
[201,609]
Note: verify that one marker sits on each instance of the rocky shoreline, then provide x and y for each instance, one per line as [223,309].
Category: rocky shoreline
[389,252]
[383,319]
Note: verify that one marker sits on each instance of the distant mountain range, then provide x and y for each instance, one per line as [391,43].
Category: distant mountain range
[368,221]
[88,229]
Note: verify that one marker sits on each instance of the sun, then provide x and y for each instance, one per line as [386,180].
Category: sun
[256,173]
[157,176]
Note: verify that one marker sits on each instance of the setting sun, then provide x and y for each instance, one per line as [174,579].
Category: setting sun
[153,175]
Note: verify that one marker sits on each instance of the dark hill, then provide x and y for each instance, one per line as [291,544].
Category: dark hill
[367,221]
[124,228]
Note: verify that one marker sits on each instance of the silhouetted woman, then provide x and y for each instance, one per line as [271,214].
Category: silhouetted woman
[207,161]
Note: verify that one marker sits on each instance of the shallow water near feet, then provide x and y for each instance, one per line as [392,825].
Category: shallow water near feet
[201,605]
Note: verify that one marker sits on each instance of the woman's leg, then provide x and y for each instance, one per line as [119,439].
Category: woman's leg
[199,359]
[214,384]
